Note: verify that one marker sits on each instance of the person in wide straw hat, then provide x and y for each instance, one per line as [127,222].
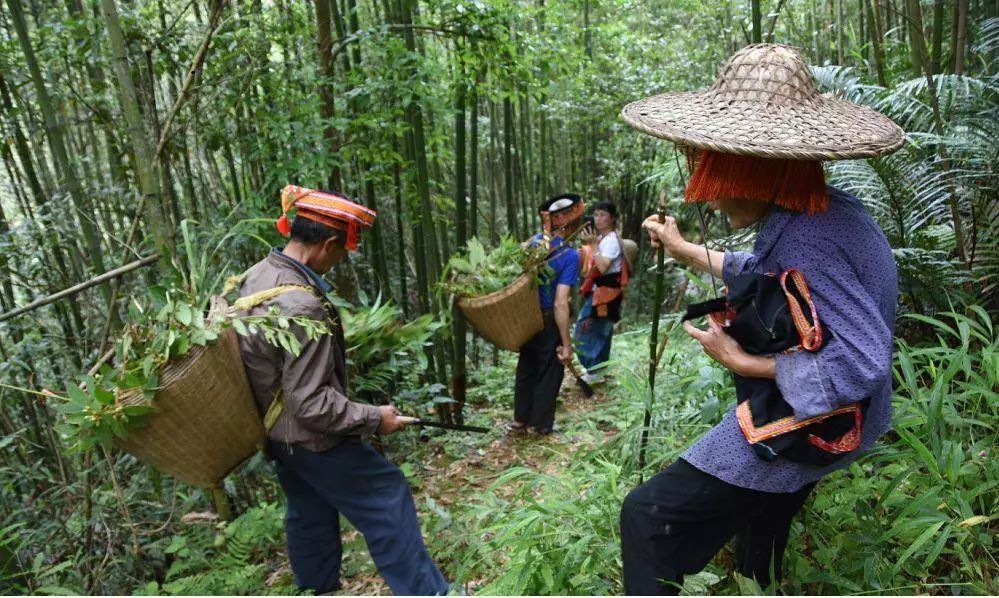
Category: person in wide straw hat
[316,434]
[756,139]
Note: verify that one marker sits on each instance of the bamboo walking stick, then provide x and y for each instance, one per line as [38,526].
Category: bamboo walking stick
[657,308]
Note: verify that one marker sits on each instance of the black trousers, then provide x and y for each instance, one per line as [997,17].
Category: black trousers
[539,378]
[675,523]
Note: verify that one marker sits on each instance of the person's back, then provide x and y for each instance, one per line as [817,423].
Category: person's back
[842,245]
[318,444]
[540,366]
[316,422]
[564,264]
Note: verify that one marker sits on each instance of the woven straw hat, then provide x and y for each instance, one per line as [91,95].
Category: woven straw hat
[765,103]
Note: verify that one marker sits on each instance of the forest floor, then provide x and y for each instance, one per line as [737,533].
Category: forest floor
[446,484]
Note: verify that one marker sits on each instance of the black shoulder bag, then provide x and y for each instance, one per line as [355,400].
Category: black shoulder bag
[768,314]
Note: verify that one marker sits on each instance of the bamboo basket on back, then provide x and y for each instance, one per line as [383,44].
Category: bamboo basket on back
[206,422]
[507,318]
[510,317]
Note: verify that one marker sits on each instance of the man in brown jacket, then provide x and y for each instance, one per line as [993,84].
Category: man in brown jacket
[324,464]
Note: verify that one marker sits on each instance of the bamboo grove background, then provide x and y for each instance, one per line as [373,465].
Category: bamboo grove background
[124,122]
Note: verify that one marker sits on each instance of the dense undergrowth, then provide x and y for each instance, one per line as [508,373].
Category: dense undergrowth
[529,516]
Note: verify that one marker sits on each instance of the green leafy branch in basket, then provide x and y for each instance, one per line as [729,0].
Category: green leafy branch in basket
[477,272]
[121,397]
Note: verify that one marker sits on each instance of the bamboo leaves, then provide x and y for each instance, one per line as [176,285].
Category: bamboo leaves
[380,343]
[479,272]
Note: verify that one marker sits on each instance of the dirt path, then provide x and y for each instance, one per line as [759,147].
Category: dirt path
[450,482]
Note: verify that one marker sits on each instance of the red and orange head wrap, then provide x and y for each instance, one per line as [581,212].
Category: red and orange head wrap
[332,209]
[797,185]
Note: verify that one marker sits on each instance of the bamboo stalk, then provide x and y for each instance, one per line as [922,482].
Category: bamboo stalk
[213,26]
[657,307]
[80,287]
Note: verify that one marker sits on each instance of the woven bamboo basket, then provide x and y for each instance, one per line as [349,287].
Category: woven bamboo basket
[506,318]
[206,421]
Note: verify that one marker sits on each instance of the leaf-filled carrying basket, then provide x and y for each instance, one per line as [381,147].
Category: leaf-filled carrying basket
[205,422]
[507,318]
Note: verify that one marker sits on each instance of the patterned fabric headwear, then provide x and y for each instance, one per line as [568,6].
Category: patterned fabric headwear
[563,209]
[325,207]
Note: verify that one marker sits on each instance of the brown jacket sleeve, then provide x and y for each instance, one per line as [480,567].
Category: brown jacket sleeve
[310,385]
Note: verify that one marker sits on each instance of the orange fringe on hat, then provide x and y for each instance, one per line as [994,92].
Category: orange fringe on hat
[797,185]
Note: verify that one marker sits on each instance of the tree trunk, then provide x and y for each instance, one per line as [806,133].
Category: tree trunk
[545,189]
[354,21]
[511,209]
[840,56]
[163,162]
[877,35]
[20,143]
[473,161]
[493,171]
[142,147]
[936,51]
[58,147]
[7,273]
[757,21]
[518,177]
[813,26]
[961,39]
[458,380]
[419,155]
[862,29]
[340,26]
[400,242]
[916,47]
[527,189]
[831,5]
[323,44]
[230,168]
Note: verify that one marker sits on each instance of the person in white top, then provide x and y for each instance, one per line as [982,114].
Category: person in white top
[603,293]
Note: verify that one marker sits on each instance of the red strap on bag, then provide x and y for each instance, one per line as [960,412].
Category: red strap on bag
[844,444]
[811,333]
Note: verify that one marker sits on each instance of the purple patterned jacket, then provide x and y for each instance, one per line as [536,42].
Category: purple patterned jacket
[850,269]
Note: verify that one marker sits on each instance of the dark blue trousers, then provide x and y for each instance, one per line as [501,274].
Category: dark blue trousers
[539,377]
[675,523]
[593,337]
[354,480]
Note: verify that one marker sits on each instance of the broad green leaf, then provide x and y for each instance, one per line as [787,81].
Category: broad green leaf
[239,326]
[184,314]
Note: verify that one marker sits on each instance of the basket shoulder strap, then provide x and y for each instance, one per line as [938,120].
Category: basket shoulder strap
[274,410]
[255,299]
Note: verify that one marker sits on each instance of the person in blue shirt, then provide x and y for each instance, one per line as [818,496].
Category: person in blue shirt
[542,360]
